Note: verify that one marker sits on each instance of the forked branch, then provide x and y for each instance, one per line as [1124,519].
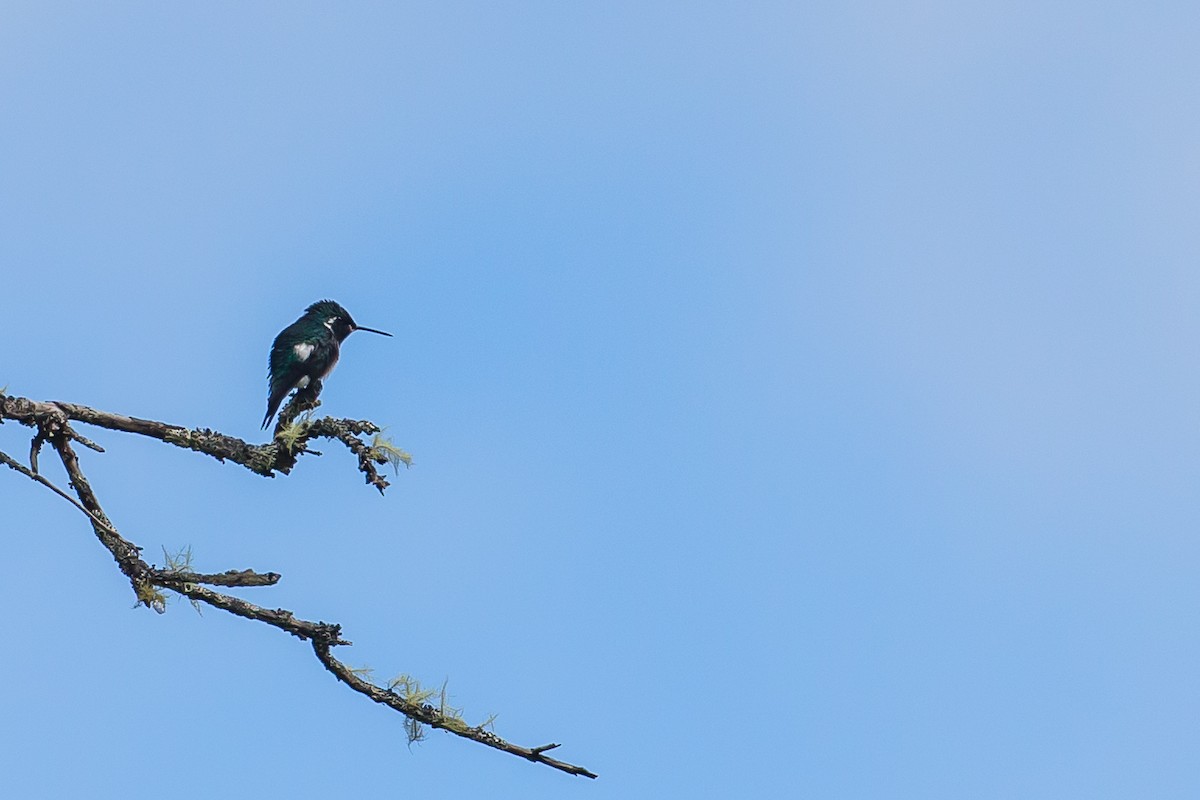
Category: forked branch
[52,423]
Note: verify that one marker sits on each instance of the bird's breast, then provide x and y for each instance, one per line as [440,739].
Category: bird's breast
[333,359]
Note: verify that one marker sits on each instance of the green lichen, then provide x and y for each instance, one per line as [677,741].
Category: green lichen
[444,715]
[181,561]
[362,673]
[290,434]
[384,450]
[410,689]
[151,597]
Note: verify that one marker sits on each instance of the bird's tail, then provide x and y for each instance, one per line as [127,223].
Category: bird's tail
[273,402]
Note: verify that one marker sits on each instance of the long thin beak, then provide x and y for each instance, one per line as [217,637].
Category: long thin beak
[370,330]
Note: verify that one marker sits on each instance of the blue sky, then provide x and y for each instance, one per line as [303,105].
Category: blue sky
[803,398]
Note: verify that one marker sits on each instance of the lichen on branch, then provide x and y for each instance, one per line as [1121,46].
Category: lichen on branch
[51,422]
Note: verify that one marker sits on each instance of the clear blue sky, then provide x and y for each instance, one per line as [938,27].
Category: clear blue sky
[803,398]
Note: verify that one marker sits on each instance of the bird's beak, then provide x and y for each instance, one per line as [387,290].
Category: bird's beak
[370,330]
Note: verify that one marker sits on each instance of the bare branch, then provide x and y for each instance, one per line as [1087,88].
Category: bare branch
[51,420]
[24,470]
[232,577]
[431,716]
[279,455]
[275,617]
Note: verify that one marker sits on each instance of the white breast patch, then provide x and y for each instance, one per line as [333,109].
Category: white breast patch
[303,351]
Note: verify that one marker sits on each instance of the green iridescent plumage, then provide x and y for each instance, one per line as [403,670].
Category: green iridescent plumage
[306,351]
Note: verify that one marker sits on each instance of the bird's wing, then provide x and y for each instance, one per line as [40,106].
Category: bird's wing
[284,371]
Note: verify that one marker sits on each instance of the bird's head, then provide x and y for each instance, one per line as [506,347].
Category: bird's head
[337,319]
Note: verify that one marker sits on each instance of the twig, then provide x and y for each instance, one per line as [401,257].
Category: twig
[21,468]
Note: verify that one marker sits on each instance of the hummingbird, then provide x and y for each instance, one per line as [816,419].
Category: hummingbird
[306,351]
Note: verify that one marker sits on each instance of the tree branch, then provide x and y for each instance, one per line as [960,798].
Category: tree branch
[435,718]
[232,577]
[52,424]
[279,455]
